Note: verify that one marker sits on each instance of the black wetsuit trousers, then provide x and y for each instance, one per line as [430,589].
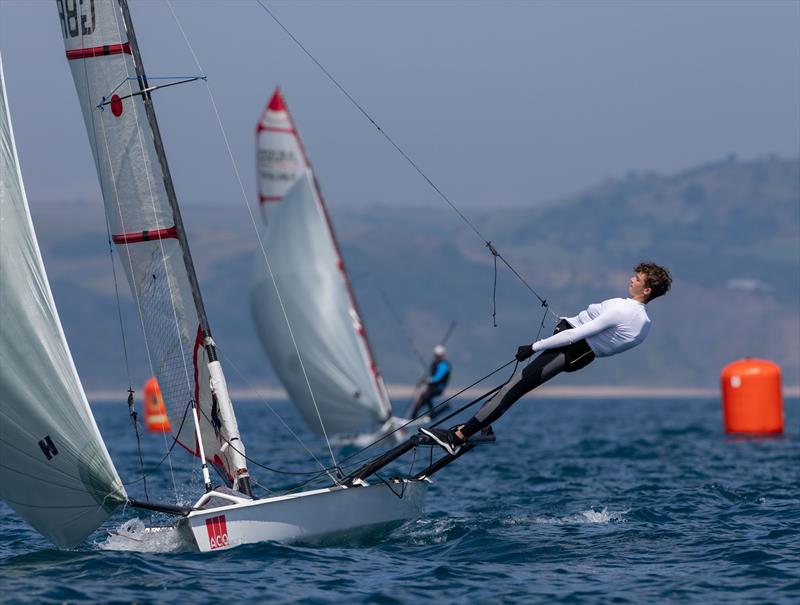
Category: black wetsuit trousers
[426,398]
[552,362]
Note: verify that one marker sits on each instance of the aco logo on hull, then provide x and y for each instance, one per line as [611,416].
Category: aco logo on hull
[217,532]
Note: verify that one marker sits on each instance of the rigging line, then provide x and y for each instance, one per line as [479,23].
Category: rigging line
[172,445]
[494,291]
[261,465]
[402,426]
[258,235]
[134,417]
[119,305]
[229,361]
[131,407]
[122,221]
[346,462]
[541,326]
[400,150]
[473,402]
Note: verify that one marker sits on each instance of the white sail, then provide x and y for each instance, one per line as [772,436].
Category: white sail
[134,184]
[313,285]
[54,467]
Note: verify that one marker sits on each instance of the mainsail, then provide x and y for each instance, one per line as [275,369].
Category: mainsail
[54,467]
[141,208]
[312,284]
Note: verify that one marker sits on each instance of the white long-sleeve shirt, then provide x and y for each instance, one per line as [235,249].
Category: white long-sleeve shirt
[613,326]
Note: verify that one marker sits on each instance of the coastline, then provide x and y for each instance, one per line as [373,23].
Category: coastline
[402,391]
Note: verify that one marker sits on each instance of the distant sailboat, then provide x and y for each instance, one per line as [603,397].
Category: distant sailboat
[55,471]
[335,381]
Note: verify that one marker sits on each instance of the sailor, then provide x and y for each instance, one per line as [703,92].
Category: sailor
[601,330]
[439,375]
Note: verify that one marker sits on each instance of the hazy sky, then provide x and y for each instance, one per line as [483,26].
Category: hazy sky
[500,102]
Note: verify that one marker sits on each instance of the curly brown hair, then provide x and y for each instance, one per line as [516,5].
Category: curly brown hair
[657,278]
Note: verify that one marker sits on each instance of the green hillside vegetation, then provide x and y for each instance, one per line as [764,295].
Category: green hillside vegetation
[729,231]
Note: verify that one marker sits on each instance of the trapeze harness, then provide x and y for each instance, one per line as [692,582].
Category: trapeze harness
[601,330]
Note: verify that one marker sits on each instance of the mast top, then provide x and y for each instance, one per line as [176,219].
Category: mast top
[276,103]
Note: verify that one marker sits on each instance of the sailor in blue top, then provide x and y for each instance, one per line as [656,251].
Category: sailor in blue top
[435,384]
[600,330]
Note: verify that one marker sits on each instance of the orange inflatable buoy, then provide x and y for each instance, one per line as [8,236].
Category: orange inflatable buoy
[155,414]
[751,396]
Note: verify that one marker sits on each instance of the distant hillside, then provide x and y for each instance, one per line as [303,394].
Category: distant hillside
[729,231]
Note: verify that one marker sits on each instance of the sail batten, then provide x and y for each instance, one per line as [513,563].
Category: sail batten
[56,472]
[311,278]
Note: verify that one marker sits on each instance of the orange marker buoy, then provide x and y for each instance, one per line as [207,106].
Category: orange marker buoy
[751,396]
[155,414]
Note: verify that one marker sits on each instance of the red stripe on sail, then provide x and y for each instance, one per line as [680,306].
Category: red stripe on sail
[275,129]
[145,236]
[99,51]
[269,198]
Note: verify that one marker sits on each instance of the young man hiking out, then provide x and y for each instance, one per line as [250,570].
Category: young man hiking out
[601,330]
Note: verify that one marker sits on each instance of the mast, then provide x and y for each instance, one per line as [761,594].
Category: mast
[218,383]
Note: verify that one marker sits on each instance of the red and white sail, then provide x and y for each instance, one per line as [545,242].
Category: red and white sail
[312,284]
[54,467]
[133,178]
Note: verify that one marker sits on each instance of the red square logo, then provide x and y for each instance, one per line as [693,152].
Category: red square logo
[217,532]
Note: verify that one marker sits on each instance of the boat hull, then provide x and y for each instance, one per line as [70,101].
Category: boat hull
[335,513]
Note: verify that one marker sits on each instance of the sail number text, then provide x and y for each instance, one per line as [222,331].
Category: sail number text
[76,20]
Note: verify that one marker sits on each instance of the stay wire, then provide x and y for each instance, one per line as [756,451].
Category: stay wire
[131,407]
[494,290]
[134,417]
[408,158]
[441,404]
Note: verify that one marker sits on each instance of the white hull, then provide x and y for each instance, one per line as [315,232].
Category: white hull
[339,512]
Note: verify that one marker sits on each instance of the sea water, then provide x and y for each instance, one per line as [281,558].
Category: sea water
[579,501]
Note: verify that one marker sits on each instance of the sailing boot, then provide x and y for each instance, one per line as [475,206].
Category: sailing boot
[445,439]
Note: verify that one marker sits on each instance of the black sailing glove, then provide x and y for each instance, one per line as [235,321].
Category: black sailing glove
[524,352]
